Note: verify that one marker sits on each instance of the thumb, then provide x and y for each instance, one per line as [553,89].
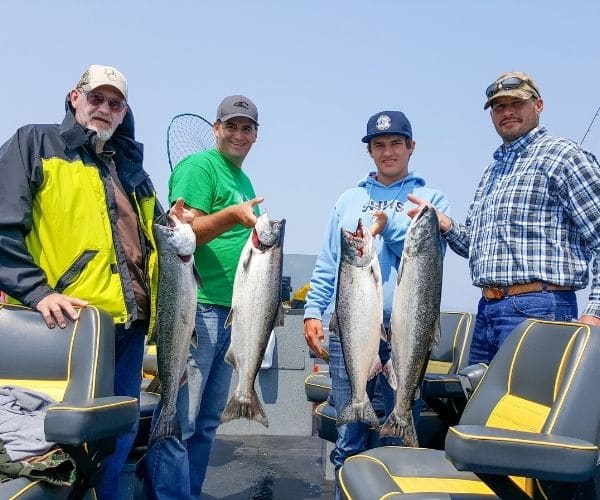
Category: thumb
[178,204]
[256,201]
[417,200]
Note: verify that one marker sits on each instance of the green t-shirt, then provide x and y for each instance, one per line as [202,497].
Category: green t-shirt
[209,182]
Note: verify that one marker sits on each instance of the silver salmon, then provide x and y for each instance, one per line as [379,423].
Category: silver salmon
[415,318]
[358,320]
[176,315]
[255,310]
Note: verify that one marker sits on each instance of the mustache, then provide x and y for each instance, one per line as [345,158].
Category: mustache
[104,118]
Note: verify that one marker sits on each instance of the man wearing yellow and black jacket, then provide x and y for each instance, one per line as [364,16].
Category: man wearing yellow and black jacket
[76,213]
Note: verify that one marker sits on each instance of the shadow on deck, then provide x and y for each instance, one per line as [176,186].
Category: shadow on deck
[266,467]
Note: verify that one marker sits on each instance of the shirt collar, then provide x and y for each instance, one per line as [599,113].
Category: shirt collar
[520,143]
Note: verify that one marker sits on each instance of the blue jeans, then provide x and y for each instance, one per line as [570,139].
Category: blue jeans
[175,468]
[496,319]
[129,357]
[354,438]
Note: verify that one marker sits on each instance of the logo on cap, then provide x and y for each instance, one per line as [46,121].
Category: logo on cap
[383,122]
[241,104]
[110,74]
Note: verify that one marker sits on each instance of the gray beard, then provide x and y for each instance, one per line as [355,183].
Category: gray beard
[104,134]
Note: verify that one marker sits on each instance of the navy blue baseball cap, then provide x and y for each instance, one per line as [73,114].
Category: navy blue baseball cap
[388,123]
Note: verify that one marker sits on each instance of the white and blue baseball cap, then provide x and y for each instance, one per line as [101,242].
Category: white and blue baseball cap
[388,123]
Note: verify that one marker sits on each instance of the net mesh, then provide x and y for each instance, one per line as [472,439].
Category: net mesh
[187,134]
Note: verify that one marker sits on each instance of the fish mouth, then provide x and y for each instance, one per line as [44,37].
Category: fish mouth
[356,239]
[259,245]
[423,210]
[360,230]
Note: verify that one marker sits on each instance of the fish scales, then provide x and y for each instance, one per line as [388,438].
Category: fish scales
[358,320]
[415,319]
[255,310]
[176,314]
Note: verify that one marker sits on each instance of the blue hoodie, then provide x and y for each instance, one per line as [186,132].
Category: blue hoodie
[357,203]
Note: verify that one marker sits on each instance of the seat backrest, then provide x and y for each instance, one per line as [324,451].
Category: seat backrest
[452,352]
[68,364]
[543,379]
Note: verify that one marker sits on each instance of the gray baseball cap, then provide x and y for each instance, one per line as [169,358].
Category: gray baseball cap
[237,105]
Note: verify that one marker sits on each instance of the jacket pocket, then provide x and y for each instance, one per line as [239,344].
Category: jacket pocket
[71,274]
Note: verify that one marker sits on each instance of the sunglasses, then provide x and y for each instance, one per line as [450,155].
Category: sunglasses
[509,83]
[97,99]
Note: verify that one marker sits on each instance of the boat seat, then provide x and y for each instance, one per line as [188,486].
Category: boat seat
[529,430]
[149,396]
[317,387]
[446,360]
[74,366]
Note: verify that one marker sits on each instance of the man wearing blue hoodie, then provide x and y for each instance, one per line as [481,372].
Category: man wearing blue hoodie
[380,199]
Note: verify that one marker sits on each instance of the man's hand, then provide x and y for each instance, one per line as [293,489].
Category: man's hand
[245,213]
[445,221]
[54,307]
[379,221]
[181,212]
[313,334]
[588,319]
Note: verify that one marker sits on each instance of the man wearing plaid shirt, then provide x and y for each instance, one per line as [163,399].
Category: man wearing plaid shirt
[533,229]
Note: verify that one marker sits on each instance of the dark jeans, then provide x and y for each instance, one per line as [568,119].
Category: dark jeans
[175,468]
[129,357]
[497,318]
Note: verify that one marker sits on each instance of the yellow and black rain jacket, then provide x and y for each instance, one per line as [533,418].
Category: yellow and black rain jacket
[58,216]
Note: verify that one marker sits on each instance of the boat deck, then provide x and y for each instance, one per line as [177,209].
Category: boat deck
[266,467]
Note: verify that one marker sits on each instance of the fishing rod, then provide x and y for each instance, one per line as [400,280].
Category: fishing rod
[589,128]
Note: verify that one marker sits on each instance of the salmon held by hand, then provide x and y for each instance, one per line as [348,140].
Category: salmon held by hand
[358,320]
[176,315]
[255,310]
[415,320]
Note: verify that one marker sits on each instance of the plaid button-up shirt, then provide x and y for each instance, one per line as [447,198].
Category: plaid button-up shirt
[535,216]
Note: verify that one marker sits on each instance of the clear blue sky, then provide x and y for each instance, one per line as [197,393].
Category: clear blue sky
[317,70]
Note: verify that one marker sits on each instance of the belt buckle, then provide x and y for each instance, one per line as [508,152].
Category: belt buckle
[494,293]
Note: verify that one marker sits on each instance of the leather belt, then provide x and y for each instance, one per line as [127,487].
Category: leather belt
[499,292]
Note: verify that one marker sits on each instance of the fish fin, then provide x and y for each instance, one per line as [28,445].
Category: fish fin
[230,358]
[390,374]
[384,334]
[437,334]
[246,260]
[197,277]
[194,385]
[375,275]
[279,316]
[194,338]
[333,323]
[166,425]
[358,410]
[241,407]
[229,319]
[376,367]
[400,425]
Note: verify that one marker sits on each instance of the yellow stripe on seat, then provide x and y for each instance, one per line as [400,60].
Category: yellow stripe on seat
[518,414]
[54,388]
[438,366]
[442,485]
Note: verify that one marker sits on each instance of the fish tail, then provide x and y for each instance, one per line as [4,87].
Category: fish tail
[358,410]
[400,425]
[244,407]
[166,426]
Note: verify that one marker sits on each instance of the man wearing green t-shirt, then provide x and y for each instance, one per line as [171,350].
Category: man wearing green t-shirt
[212,186]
